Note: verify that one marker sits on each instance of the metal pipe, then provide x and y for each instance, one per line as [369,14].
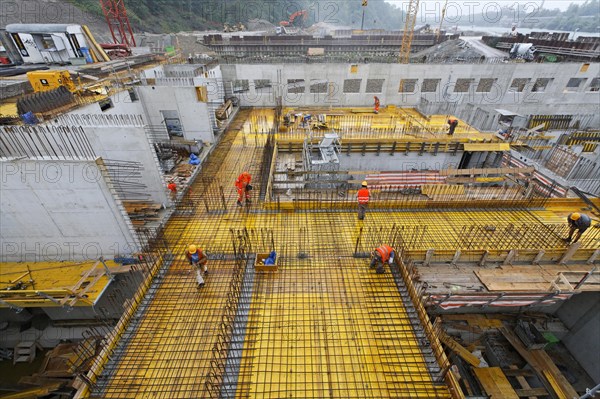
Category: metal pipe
[589,393]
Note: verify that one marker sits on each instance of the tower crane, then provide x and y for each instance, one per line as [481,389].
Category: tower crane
[439,32]
[118,22]
[409,31]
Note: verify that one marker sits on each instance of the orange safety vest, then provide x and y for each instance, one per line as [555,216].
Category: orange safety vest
[385,251]
[243,180]
[198,251]
[363,196]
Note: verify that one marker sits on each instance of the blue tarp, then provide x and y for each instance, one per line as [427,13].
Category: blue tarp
[29,118]
[194,160]
[271,259]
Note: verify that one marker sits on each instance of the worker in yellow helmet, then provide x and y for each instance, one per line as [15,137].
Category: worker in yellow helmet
[363,200]
[198,261]
[578,224]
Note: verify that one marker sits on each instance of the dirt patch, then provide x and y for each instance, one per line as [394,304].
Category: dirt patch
[260,25]
[449,51]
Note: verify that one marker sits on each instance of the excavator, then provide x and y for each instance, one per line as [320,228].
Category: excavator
[296,19]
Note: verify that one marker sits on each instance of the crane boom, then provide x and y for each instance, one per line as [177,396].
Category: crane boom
[118,22]
[409,31]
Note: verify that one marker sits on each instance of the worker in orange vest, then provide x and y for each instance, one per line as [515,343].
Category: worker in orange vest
[172,189]
[243,187]
[452,122]
[363,200]
[380,256]
[199,261]
[377,104]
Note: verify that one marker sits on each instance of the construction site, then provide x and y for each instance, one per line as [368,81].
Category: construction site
[119,161]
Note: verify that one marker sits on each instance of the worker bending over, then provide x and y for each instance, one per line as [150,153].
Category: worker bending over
[579,222]
[380,256]
[243,188]
[363,200]
[452,122]
[198,261]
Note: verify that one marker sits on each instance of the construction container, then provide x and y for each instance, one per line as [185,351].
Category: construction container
[259,263]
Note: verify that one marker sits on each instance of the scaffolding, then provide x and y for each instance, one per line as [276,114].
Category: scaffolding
[321,159]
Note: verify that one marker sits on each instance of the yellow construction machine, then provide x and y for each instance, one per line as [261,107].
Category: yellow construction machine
[50,80]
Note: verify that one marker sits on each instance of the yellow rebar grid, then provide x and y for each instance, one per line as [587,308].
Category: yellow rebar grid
[323,325]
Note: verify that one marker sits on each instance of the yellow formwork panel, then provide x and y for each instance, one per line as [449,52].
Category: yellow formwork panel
[57,279]
[8,108]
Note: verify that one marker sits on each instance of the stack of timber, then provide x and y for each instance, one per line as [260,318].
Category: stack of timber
[142,212]
[183,170]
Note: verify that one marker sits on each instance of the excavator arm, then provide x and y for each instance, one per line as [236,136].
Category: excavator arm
[296,19]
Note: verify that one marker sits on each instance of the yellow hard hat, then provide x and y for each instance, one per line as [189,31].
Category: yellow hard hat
[575,216]
[192,248]
[364,183]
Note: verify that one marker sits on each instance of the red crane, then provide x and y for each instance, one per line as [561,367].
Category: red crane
[118,23]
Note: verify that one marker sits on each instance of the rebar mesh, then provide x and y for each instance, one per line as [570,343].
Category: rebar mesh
[324,324]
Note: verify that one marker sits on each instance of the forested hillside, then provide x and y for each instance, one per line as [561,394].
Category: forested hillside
[185,15]
[177,15]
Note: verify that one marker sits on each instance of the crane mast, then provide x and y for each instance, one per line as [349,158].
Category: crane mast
[409,31]
[439,32]
[118,22]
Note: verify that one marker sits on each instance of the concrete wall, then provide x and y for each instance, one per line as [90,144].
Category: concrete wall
[121,137]
[399,161]
[129,143]
[60,210]
[444,100]
[581,315]
[193,114]
[122,105]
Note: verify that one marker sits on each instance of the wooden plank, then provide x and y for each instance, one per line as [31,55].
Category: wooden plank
[526,390]
[515,372]
[538,278]
[484,322]
[495,383]
[555,386]
[553,374]
[542,365]
[531,393]
[34,392]
[459,349]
